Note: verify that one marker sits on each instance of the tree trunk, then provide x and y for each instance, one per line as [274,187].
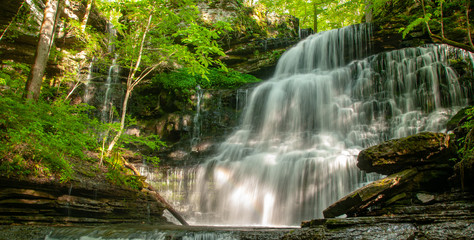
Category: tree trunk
[86,15]
[122,121]
[33,84]
[315,23]
[369,11]
[441,20]
[157,195]
[468,5]
[131,83]
[424,16]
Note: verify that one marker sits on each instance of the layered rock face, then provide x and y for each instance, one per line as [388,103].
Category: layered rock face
[22,19]
[258,37]
[32,202]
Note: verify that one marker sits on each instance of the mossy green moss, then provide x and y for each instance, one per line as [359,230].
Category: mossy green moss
[398,154]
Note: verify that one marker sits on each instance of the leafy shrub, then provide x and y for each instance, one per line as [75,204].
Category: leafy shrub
[43,135]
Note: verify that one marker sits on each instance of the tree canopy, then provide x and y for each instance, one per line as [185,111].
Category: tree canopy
[320,15]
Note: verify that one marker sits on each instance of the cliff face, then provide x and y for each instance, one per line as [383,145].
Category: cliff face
[258,37]
[22,19]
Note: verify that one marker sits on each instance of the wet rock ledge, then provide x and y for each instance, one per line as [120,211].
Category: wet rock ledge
[75,203]
[428,216]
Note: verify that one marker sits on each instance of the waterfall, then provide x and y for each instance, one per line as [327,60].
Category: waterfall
[172,183]
[87,90]
[295,152]
[196,136]
[241,99]
[112,79]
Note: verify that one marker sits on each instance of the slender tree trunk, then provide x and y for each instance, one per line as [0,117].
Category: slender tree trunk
[424,15]
[73,89]
[86,15]
[131,83]
[315,14]
[369,11]
[442,21]
[33,84]
[468,5]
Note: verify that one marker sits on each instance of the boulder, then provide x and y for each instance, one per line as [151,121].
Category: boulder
[404,153]
[370,194]
[424,197]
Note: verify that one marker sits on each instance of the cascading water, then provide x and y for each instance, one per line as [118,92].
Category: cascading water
[87,94]
[112,79]
[295,152]
[197,117]
[241,98]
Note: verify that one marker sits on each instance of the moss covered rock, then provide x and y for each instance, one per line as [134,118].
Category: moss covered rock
[399,154]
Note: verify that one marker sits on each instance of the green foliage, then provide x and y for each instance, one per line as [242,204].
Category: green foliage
[328,12]
[43,135]
[469,124]
[182,83]
[413,24]
[150,143]
[204,47]
[118,177]
[431,14]
[90,40]
[466,143]
[13,74]
[118,174]
[158,35]
[174,36]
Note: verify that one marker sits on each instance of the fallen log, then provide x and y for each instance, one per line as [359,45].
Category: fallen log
[157,196]
[370,194]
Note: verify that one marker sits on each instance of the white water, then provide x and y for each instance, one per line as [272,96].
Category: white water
[87,94]
[111,81]
[196,135]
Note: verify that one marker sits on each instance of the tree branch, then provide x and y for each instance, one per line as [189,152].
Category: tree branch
[157,196]
[451,42]
[13,19]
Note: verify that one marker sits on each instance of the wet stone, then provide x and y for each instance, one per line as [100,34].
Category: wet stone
[425,198]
